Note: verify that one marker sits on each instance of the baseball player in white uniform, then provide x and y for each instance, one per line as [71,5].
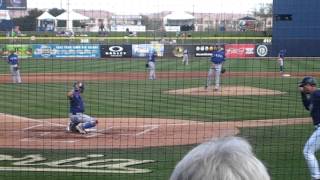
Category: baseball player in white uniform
[217,59]
[151,61]
[185,57]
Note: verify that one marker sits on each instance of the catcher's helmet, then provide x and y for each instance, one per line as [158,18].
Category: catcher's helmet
[78,86]
[308,80]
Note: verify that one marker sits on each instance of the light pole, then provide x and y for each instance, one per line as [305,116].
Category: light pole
[69,24]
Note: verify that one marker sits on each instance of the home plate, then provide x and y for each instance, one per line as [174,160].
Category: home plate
[91,130]
[286,75]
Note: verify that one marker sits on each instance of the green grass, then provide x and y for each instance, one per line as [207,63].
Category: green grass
[147,99]
[280,148]
[163,64]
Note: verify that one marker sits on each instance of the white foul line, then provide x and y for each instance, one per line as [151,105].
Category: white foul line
[37,140]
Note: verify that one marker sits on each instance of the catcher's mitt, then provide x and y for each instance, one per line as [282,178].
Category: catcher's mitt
[147,65]
[223,70]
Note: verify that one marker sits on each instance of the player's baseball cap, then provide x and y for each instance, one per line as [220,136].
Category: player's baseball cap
[308,80]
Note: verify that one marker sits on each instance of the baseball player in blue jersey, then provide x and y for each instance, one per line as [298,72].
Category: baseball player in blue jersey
[13,61]
[217,59]
[311,101]
[185,57]
[281,57]
[79,121]
[151,61]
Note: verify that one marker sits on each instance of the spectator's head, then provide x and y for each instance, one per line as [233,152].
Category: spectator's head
[229,158]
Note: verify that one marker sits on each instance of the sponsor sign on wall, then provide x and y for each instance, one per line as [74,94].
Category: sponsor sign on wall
[177,50]
[205,50]
[23,50]
[13,4]
[262,50]
[240,50]
[66,51]
[141,50]
[116,51]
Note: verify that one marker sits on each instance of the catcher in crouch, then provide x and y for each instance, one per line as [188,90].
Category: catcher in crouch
[79,122]
[217,59]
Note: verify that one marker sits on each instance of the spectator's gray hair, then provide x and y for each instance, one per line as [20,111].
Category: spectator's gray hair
[228,158]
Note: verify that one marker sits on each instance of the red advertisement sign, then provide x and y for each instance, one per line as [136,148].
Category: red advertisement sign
[240,50]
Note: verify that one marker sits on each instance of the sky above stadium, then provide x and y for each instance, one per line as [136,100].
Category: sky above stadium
[150,6]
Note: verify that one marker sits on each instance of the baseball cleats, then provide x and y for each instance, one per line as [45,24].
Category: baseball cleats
[68,127]
[71,127]
[80,129]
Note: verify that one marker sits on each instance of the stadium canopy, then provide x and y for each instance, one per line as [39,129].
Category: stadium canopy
[46,16]
[46,22]
[71,16]
[179,15]
[173,21]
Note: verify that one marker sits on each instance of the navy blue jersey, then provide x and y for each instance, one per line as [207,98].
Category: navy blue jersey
[152,56]
[76,103]
[282,53]
[218,57]
[312,103]
[13,59]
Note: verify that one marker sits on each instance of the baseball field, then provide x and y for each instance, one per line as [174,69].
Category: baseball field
[145,127]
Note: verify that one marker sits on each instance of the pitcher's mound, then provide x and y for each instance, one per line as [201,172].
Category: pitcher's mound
[225,91]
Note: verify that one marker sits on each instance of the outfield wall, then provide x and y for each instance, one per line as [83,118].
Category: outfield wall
[105,51]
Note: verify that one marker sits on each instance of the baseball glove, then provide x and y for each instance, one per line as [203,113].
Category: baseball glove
[147,65]
[223,70]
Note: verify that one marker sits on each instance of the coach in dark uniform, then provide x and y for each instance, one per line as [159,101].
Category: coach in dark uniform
[311,101]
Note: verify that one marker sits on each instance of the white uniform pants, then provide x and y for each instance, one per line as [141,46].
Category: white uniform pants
[280,61]
[15,73]
[152,70]
[217,69]
[185,59]
[310,148]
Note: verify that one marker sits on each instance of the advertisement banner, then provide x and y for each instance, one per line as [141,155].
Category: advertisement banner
[205,50]
[177,50]
[141,50]
[66,51]
[15,4]
[22,50]
[116,51]
[240,50]
[263,50]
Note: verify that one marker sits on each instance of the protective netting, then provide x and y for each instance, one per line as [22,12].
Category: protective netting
[109,96]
